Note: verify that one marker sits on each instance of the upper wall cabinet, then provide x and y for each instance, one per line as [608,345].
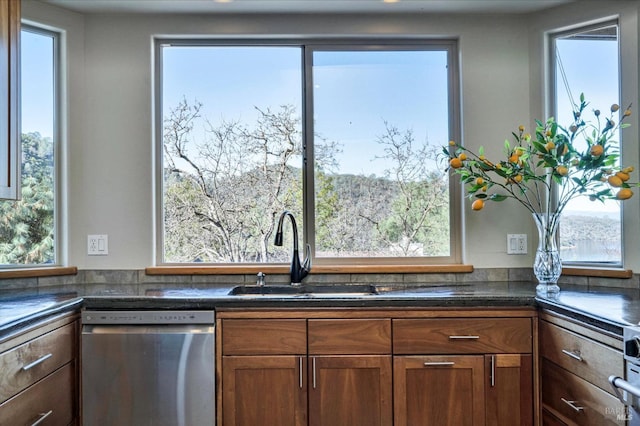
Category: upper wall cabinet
[9,99]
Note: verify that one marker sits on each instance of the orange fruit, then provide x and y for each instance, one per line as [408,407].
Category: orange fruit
[623,176]
[456,163]
[614,181]
[452,143]
[462,156]
[477,205]
[562,170]
[596,150]
[549,146]
[627,170]
[517,178]
[624,194]
[479,181]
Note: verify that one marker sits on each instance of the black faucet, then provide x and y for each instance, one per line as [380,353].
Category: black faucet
[298,271]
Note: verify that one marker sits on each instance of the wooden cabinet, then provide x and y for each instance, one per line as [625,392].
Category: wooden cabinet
[9,99]
[509,389]
[576,363]
[372,367]
[350,390]
[471,371]
[264,372]
[439,390]
[299,371]
[39,380]
[264,390]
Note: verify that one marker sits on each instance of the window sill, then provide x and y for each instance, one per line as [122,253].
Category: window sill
[39,272]
[597,272]
[321,269]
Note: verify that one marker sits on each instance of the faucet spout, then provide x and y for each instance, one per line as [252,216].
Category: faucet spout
[298,271]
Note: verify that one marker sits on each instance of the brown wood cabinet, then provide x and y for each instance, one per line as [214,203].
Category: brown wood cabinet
[486,376]
[439,390]
[39,380]
[576,361]
[9,99]
[352,390]
[333,367]
[509,389]
[299,371]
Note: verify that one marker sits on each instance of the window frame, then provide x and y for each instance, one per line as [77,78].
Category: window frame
[552,36]
[56,37]
[308,46]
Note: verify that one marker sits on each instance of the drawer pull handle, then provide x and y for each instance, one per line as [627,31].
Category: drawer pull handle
[464,337]
[42,417]
[575,355]
[36,362]
[573,405]
[439,364]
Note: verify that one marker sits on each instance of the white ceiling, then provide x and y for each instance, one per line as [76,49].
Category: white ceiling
[306,6]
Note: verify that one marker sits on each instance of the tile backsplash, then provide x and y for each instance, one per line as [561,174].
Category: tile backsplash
[136,282]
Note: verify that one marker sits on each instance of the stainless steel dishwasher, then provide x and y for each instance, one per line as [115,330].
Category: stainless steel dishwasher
[148,368]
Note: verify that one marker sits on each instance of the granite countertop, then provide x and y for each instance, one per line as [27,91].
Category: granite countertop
[607,308]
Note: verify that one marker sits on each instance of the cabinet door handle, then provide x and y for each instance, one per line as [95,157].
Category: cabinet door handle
[464,337]
[42,417]
[573,405]
[572,354]
[439,364]
[313,361]
[493,370]
[36,362]
[300,371]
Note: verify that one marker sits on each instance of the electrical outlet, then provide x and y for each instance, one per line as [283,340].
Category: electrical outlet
[516,243]
[97,245]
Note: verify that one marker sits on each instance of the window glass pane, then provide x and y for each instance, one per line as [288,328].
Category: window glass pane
[232,158]
[379,120]
[27,226]
[589,231]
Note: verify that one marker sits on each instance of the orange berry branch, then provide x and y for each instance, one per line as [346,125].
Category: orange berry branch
[579,160]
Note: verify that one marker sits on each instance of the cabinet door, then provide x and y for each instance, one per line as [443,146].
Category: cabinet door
[9,95]
[264,390]
[509,390]
[350,391]
[439,390]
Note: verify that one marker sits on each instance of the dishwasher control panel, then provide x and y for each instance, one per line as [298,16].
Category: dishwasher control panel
[148,317]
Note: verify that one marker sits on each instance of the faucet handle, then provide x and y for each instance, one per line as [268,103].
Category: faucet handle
[260,281]
[306,263]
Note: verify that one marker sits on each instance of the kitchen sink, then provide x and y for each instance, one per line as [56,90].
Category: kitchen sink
[341,290]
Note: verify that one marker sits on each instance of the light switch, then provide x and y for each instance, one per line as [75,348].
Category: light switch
[516,243]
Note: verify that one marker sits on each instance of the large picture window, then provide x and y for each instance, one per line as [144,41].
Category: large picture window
[590,232]
[28,226]
[343,135]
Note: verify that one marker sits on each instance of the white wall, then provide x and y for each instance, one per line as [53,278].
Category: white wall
[110,167]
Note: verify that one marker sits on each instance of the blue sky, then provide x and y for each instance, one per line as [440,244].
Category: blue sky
[355,92]
[37,83]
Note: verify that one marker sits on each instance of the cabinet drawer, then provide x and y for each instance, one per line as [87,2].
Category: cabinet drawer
[584,357]
[349,336]
[51,397]
[33,360]
[575,400]
[264,337]
[462,335]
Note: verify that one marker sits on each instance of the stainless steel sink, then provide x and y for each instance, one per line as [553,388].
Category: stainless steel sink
[341,290]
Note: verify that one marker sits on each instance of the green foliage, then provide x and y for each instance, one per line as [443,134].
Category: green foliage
[27,225]
[533,164]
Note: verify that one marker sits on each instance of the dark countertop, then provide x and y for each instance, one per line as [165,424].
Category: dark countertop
[607,308]
[17,311]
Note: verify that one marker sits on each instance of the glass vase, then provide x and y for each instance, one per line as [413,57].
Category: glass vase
[547,265]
